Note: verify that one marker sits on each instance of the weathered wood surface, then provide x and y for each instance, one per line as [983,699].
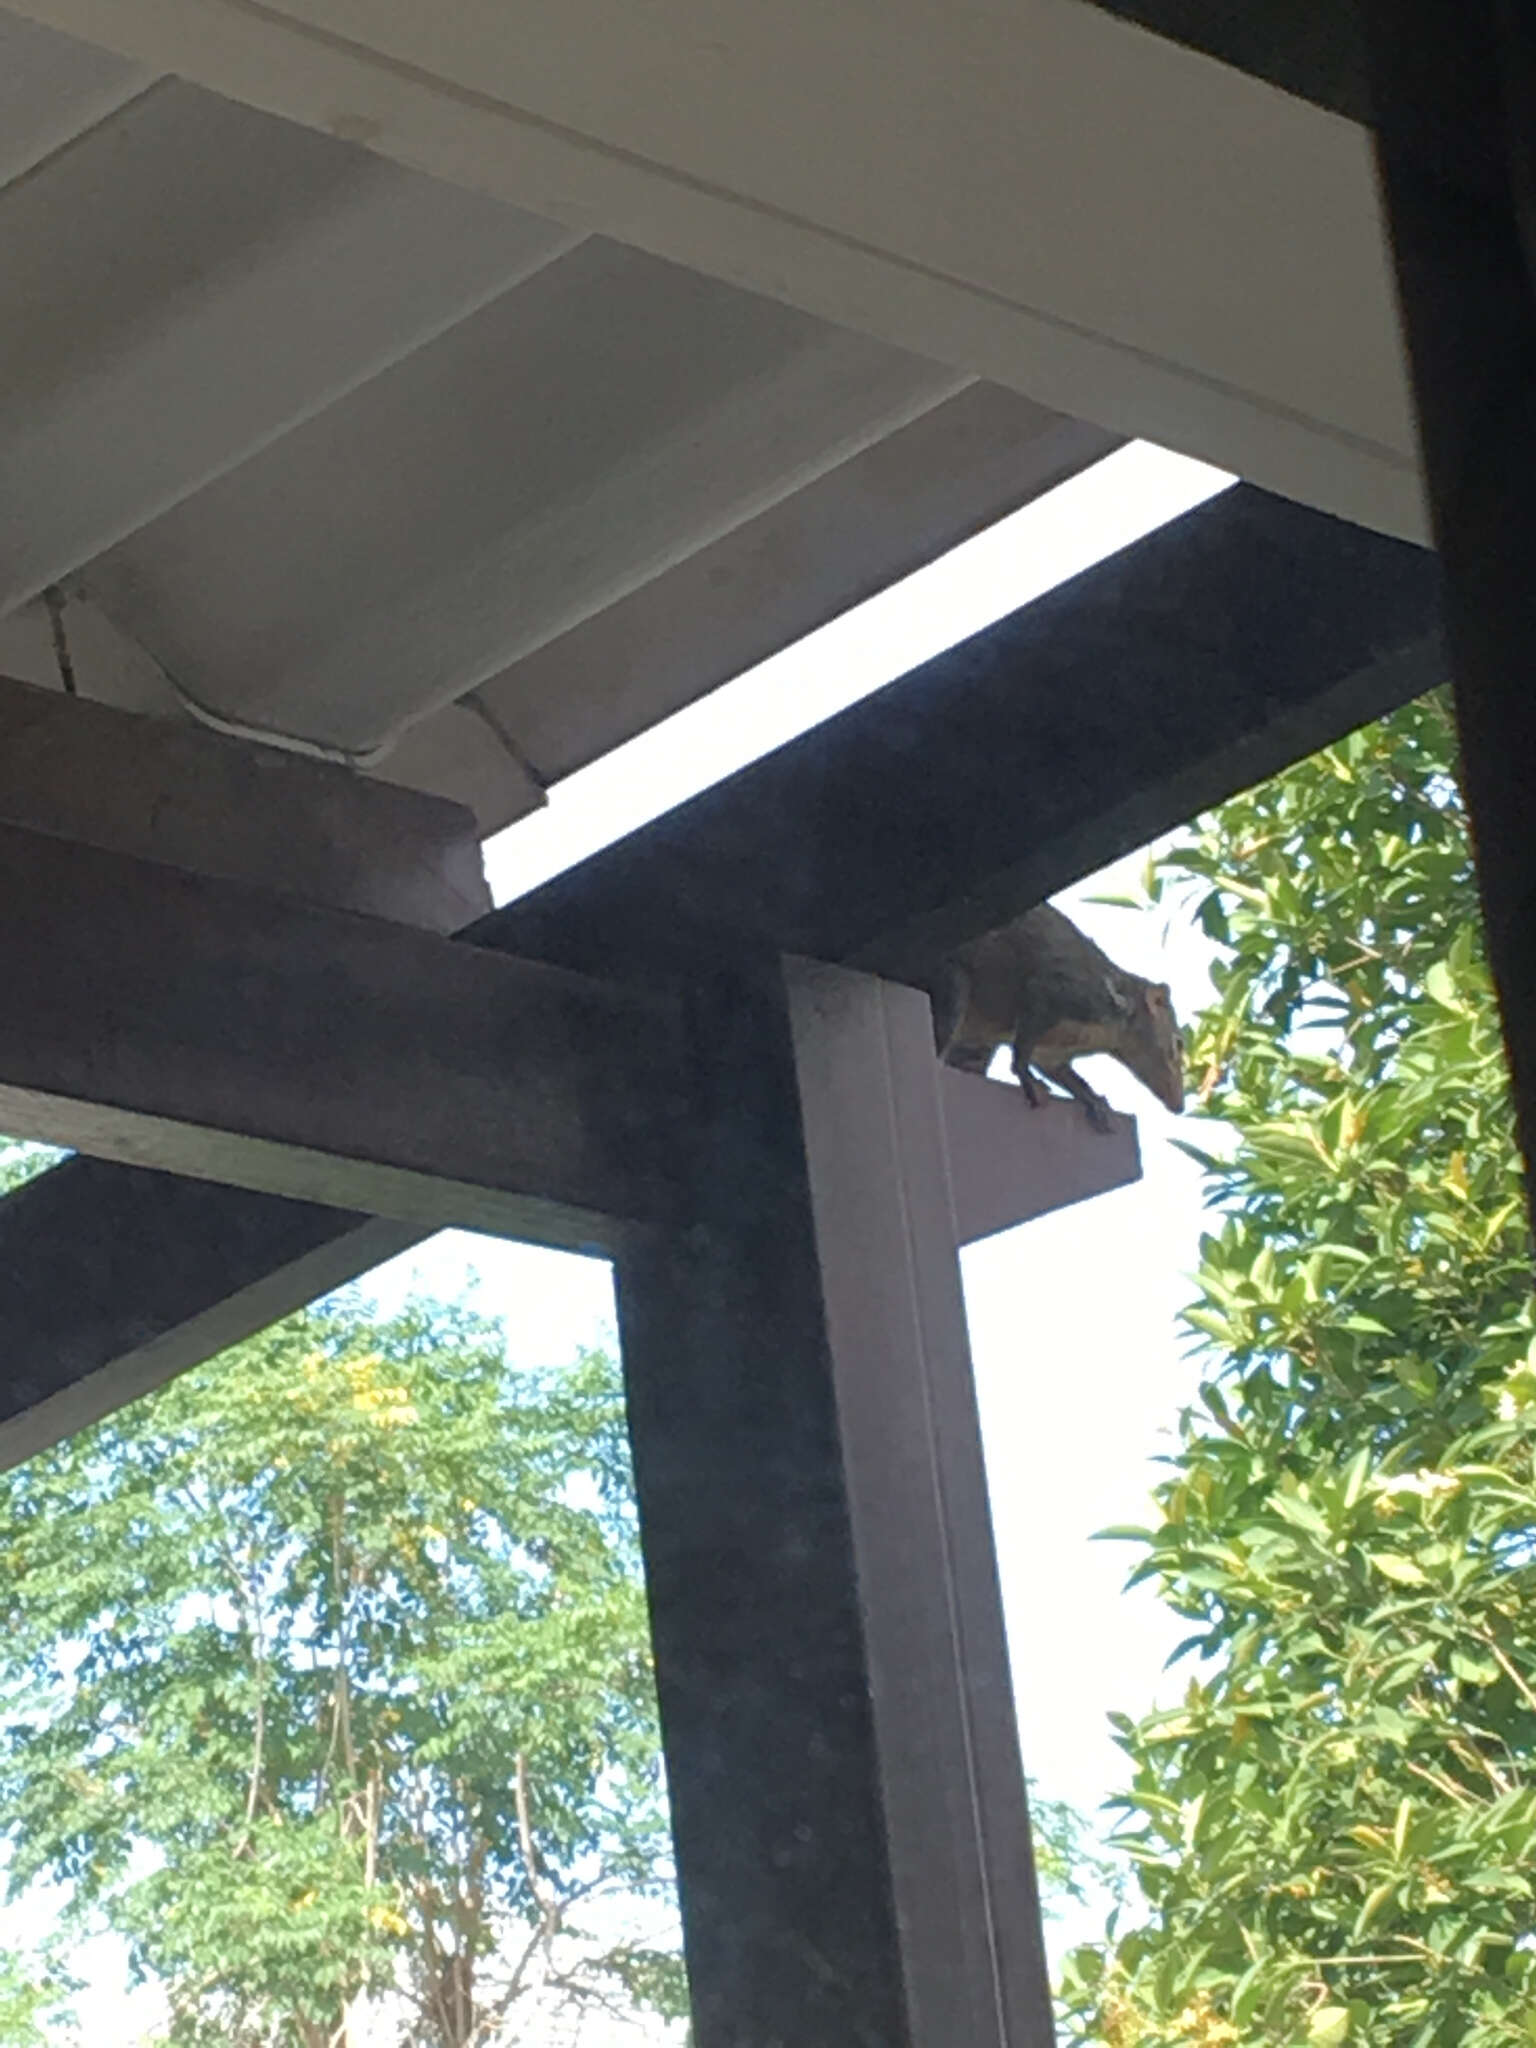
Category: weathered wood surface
[173,792]
[882,1173]
[848,1803]
[160,1018]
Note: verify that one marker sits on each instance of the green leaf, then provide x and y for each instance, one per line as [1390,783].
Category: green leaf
[1402,1571]
[354,1567]
[1364,1770]
[1440,984]
[1474,1667]
[1356,1475]
[1400,1827]
[1374,1901]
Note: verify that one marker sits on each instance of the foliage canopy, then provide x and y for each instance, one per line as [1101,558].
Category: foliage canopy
[1334,1835]
[324,1682]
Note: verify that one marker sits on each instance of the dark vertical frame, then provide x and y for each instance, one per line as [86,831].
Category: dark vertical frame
[1454,101]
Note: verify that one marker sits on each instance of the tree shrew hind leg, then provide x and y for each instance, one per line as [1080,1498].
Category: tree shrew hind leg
[1027,1079]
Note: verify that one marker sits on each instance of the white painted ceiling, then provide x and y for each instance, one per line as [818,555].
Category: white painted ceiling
[1035,191]
[318,447]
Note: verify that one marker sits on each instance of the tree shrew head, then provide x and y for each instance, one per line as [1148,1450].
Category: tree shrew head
[1156,1050]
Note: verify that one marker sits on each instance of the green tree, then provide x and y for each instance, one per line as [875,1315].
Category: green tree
[33,1991]
[20,1161]
[324,1682]
[1334,1835]
[1069,1864]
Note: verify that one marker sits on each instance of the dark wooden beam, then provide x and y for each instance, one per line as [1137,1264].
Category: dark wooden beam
[153,1016]
[1214,652]
[773,1781]
[114,1278]
[177,793]
[1010,1162]
[882,1166]
[1455,88]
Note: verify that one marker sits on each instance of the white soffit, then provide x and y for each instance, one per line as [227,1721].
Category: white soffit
[319,447]
[1031,190]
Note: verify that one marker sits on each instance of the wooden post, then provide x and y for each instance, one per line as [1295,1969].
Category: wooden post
[849,1809]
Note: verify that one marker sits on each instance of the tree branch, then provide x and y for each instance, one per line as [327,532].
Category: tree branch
[545,1897]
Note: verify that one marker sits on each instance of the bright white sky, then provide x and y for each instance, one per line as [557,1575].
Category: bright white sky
[1078,1361]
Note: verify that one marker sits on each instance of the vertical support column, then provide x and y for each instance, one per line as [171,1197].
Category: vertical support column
[956,1816]
[851,1833]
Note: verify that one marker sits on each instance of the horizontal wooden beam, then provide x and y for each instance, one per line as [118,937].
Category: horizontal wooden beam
[165,1019]
[1010,1162]
[115,1278]
[1210,655]
[1216,651]
[1244,743]
[170,791]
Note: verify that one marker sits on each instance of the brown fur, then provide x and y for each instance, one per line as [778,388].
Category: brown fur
[1039,986]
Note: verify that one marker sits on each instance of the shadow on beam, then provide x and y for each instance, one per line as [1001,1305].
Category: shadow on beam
[114,1278]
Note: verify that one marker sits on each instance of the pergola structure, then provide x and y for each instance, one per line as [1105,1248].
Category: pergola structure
[404,407]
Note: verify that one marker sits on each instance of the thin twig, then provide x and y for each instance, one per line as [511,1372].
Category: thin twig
[544,1896]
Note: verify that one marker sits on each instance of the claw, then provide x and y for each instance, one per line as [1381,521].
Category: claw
[1100,1115]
